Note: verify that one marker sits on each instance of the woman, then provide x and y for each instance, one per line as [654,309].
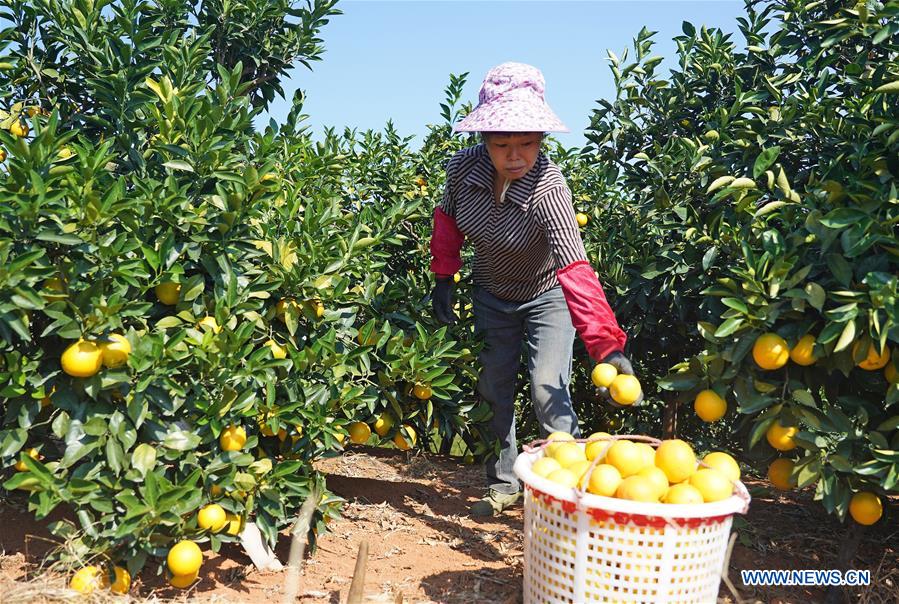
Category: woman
[533,284]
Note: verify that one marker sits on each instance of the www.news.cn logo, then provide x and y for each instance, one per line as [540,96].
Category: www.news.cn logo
[806,577]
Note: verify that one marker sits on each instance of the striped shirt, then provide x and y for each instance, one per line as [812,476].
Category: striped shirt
[521,243]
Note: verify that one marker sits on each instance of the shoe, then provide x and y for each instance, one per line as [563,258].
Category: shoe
[494,503]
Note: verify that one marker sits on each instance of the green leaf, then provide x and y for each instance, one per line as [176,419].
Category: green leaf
[764,161]
[143,459]
[729,327]
[846,337]
[177,164]
[815,295]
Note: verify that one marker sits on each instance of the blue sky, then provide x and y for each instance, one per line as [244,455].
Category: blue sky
[392,59]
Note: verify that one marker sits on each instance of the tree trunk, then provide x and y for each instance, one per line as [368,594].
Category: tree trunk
[669,419]
[852,538]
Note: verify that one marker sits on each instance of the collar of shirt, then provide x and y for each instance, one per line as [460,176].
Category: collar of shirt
[521,189]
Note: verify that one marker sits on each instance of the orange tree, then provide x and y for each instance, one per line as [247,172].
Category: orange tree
[192,312]
[754,192]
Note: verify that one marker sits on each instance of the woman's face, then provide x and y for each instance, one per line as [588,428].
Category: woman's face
[514,154]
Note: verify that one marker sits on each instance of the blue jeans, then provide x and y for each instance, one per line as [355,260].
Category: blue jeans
[543,327]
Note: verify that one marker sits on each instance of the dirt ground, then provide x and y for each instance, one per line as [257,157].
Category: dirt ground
[424,548]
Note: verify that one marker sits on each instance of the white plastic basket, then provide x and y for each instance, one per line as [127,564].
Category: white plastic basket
[589,548]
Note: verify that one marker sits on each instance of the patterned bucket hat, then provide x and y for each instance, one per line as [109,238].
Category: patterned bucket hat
[511,100]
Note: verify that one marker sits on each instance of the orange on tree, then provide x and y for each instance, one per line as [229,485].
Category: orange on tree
[676,459]
[211,517]
[865,508]
[604,480]
[233,438]
[316,307]
[422,391]
[582,219]
[399,439]
[383,424]
[780,474]
[19,129]
[709,406]
[359,432]
[625,389]
[603,374]
[457,277]
[122,582]
[233,524]
[712,484]
[115,350]
[2,155]
[168,292]
[875,360]
[209,322]
[781,437]
[183,581]
[82,359]
[724,463]
[185,558]
[88,579]
[283,305]
[803,353]
[770,351]
[33,453]
[278,351]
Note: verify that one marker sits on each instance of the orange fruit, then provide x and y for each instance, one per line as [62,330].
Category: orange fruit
[625,389]
[88,579]
[359,432]
[19,129]
[803,353]
[637,488]
[779,474]
[709,406]
[865,508]
[233,524]
[603,374]
[555,440]
[604,480]
[168,293]
[422,391]
[781,437]
[598,447]
[676,459]
[2,155]
[122,582]
[657,478]
[568,453]
[770,351]
[383,424]
[278,351]
[400,439]
[283,305]
[232,438]
[209,322]
[648,453]
[545,466]
[682,493]
[32,453]
[564,477]
[115,352]
[82,359]
[211,517]
[875,359]
[582,219]
[626,456]
[724,463]
[712,484]
[316,307]
[185,558]
[183,581]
